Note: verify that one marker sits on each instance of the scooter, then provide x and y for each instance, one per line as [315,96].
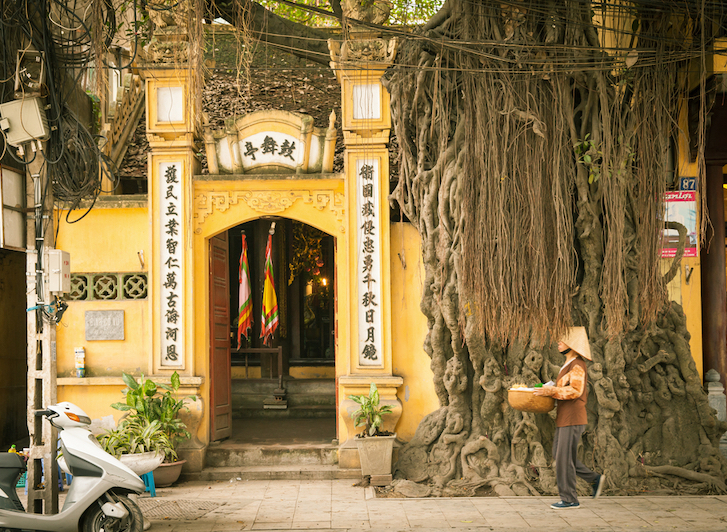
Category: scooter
[97,500]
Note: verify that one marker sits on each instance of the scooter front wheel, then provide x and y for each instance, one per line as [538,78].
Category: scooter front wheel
[96,521]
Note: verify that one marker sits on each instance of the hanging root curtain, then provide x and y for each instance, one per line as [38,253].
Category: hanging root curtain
[534,155]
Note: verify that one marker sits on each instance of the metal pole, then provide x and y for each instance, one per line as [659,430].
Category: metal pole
[42,479]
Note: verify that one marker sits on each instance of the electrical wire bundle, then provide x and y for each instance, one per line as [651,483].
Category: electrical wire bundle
[55,36]
[63,30]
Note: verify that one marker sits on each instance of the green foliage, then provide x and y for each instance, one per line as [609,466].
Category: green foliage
[369,412]
[136,434]
[295,14]
[145,401]
[590,156]
[403,12]
[95,110]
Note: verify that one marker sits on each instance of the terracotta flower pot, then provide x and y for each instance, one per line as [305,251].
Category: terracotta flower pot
[167,473]
[375,453]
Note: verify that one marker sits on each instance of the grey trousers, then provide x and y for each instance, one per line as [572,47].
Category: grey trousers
[567,465]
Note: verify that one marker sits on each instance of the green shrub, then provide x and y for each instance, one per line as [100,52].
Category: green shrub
[145,401]
[137,435]
[369,412]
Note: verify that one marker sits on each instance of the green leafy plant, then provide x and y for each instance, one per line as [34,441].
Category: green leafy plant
[137,435]
[590,156]
[145,400]
[370,412]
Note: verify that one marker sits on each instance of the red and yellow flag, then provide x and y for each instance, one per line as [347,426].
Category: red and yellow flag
[244,318]
[270,301]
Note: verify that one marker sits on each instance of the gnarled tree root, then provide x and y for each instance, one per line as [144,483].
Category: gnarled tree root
[689,475]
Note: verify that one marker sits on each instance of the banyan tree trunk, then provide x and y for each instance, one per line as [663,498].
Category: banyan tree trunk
[533,163]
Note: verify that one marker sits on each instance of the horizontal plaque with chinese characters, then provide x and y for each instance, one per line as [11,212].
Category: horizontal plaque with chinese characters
[171,271]
[270,147]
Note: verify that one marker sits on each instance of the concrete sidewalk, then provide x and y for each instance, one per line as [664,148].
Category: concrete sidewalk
[336,505]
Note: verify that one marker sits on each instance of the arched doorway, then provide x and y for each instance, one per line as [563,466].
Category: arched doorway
[283,391]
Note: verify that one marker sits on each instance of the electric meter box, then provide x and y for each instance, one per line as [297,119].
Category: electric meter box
[26,120]
[59,266]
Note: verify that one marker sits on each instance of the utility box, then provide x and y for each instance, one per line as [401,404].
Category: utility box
[26,121]
[59,266]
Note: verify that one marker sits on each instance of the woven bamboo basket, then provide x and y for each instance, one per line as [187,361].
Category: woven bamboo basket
[525,401]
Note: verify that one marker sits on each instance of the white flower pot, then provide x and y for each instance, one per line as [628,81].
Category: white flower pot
[142,463]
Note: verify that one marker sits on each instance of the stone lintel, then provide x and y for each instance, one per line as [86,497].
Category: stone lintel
[185,382]
[373,139]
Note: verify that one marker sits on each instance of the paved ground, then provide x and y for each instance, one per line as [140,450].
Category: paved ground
[336,505]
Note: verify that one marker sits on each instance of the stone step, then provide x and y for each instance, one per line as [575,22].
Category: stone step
[244,455]
[252,393]
[297,412]
[292,386]
[257,400]
[280,472]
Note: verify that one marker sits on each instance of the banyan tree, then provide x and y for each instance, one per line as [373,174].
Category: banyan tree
[534,152]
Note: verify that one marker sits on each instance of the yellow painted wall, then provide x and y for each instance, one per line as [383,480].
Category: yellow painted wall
[408,330]
[108,239]
[105,357]
[689,294]
[95,400]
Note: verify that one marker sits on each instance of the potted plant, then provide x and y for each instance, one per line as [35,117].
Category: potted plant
[375,447]
[139,443]
[146,400]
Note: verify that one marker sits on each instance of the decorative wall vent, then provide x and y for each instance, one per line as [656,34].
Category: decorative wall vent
[135,286]
[105,286]
[108,286]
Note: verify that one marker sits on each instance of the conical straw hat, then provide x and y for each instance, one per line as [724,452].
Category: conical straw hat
[577,339]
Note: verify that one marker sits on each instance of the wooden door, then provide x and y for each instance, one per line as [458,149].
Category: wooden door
[220,377]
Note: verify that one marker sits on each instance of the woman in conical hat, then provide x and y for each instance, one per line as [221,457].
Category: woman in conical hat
[571,392]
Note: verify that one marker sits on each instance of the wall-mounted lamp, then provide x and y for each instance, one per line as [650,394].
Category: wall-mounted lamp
[688,271]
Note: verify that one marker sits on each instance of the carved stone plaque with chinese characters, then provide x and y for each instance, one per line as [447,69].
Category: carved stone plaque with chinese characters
[370,321]
[270,147]
[171,270]
[104,324]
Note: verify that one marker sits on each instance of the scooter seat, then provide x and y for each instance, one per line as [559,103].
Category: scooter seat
[11,461]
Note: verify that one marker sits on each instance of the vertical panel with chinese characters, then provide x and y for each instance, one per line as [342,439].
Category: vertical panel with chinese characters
[370,348]
[171,271]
